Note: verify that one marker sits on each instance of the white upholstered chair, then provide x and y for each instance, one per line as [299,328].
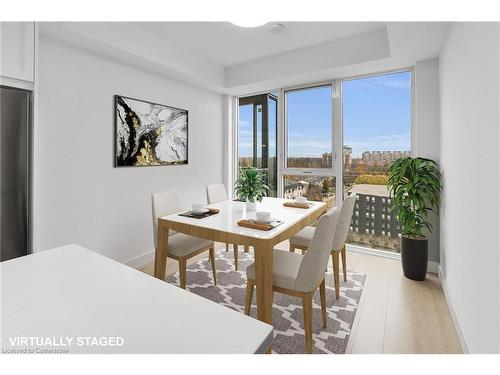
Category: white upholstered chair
[217,193]
[181,246]
[302,239]
[301,275]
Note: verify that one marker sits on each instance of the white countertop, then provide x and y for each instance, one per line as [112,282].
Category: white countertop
[73,292]
[232,211]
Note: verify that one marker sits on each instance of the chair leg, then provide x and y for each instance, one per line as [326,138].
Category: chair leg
[292,248]
[307,308]
[211,254]
[322,293]
[344,263]
[182,272]
[335,261]
[247,248]
[303,251]
[235,257]
[227,247]
[248,296]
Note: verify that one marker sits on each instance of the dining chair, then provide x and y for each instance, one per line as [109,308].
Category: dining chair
[301,275]
[181,247]
[302,239]
[217,193]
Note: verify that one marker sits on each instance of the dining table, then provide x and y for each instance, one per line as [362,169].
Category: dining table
[223,227]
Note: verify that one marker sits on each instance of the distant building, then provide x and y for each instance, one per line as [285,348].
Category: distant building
[326,159]
[383,157]
[372,214]
[294,189]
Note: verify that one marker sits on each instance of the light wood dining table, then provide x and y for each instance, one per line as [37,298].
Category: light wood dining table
[223,227]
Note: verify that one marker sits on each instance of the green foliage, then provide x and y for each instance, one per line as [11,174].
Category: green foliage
[249,185]
[371,179]
[414,185]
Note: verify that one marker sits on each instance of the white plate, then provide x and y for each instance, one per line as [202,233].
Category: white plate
[204,211]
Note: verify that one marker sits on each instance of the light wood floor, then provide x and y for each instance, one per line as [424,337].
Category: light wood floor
[396,315]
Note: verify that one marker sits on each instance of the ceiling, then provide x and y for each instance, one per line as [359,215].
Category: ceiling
[225,58]
[227,44]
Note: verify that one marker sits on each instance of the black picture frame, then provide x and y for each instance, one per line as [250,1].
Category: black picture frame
[128,163]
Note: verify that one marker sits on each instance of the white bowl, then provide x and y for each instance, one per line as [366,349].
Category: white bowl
[198,208]
[263,216]
[300,199]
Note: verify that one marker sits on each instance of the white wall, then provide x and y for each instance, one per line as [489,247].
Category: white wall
[80,197]
[470,122]
[426,132]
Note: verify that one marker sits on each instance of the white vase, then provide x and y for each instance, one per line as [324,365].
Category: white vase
[251,206]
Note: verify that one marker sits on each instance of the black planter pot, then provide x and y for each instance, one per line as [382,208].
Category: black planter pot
[414,254]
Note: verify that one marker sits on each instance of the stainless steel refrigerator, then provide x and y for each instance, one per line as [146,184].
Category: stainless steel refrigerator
[15,156]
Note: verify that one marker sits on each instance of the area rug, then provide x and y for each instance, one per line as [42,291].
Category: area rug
[287,311]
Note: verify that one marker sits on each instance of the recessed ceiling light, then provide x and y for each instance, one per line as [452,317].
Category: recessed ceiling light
[248,23]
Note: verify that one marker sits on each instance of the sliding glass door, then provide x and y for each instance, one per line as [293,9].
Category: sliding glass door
[257,136]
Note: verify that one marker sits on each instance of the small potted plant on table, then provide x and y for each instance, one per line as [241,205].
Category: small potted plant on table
[250,188]
[414,185]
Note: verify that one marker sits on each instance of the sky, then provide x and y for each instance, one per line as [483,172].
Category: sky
[376,117]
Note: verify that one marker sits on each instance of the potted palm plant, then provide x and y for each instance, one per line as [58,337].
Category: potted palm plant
[250,187]
[414,185]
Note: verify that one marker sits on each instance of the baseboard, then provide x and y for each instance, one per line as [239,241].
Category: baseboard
[432,266]
[370,251]
[454,317]
[140,260]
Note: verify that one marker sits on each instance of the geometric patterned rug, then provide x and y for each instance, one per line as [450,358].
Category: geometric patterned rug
[287,311]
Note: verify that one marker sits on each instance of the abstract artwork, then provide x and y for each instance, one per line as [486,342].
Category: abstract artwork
[149,134]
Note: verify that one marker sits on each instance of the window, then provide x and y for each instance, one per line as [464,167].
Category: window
[309,127]
[257,125]
[308,142]
[374,119]
[376,124]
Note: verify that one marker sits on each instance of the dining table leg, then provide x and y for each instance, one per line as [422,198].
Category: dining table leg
[161,250]
[264,280]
